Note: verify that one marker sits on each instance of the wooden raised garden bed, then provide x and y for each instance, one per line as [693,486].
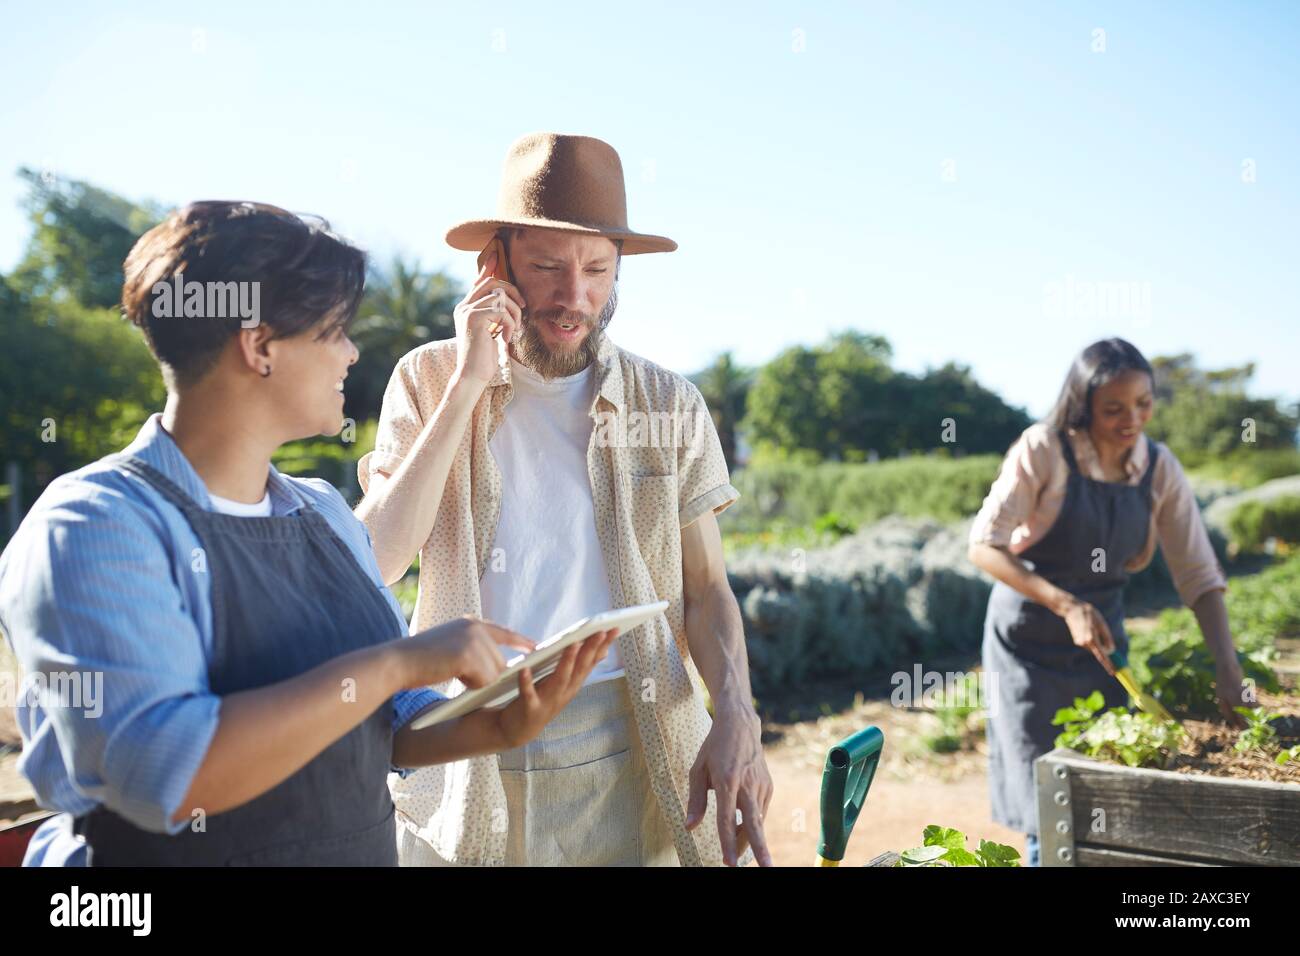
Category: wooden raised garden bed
[1097,813]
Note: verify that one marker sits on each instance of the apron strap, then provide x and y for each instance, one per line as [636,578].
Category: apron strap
[1145,485]
[1067,450]
[164,485]
[1152,452]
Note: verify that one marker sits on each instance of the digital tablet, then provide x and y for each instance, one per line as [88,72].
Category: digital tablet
[543,661]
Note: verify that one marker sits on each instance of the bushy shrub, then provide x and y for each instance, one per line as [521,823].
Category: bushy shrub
[897,591]
[1218,514]
[1265,606]
[1254,523]
[1248,467]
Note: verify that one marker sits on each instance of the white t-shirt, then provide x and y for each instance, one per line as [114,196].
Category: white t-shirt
[545,568]
[261,509]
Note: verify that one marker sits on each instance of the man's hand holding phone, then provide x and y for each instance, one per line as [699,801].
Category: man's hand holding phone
[492,306]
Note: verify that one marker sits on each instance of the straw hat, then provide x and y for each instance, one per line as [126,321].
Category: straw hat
[558,181]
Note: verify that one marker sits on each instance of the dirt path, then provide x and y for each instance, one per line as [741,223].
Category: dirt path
[912,788]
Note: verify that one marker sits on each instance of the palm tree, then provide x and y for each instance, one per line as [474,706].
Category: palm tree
[403,307]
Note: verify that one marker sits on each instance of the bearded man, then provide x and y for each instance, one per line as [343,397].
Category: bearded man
[544,474]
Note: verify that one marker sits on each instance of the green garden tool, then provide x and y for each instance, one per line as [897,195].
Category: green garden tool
[1144,700]
[850,766]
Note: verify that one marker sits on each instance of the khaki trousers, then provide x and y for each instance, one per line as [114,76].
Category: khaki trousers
[578,794]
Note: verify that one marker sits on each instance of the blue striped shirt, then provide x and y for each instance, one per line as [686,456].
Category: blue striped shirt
[97,581]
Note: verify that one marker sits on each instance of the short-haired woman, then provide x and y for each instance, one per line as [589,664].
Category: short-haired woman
[1081,501]
[251,676]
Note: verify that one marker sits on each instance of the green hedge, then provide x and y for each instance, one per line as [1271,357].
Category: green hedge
[1253,523]
[790,494]
[1249,467]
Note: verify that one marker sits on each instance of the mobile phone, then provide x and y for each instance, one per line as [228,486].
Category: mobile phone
[502,270]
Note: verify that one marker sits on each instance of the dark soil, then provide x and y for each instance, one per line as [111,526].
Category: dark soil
[1208,747]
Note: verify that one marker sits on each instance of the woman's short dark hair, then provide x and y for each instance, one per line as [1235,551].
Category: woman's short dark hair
[1100,363]
[306,277]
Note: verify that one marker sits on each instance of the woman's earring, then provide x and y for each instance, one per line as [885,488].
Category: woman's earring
[266,370]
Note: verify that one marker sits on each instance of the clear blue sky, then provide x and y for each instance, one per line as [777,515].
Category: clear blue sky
[926,171]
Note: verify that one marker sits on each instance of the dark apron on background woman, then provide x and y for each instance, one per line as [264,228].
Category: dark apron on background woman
[286,596]
[1035,665]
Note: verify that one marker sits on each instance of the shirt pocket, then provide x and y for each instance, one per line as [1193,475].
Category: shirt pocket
[654,518]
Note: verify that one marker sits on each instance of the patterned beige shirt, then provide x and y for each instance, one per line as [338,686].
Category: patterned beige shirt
[655,465]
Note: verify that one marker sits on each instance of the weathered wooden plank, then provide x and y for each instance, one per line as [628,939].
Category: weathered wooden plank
[888,858]
[1200,818]
[1085,855]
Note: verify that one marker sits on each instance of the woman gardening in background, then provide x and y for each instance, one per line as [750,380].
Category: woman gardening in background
[1081,501]
[257,680]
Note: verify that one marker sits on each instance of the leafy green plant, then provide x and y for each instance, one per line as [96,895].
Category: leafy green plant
[954,713]
[1136,739]
[945,846]
[1291,753]
[1076,718]
[1172,663]
[1181,674]
[1259,733]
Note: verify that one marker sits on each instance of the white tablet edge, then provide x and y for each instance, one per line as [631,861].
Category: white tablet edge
[625,619]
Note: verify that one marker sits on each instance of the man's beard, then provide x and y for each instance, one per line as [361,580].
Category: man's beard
[560,362]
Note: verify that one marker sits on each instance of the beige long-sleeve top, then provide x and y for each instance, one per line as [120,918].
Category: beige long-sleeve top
[1027,496]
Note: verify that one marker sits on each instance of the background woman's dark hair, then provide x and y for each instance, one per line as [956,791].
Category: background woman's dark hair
[308,278]
[1098,364]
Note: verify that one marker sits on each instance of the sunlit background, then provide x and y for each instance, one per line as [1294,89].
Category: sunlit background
[890,216]
[920,171]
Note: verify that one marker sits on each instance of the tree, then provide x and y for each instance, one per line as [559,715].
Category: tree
[725,387]
[843,401]
[77,383]
[782,412]
[1200,413]
[403,308]
[981,420]
[855,386]
[76,380]
[81,235]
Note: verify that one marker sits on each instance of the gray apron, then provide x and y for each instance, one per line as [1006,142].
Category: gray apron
[287,595]
[1035,667]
